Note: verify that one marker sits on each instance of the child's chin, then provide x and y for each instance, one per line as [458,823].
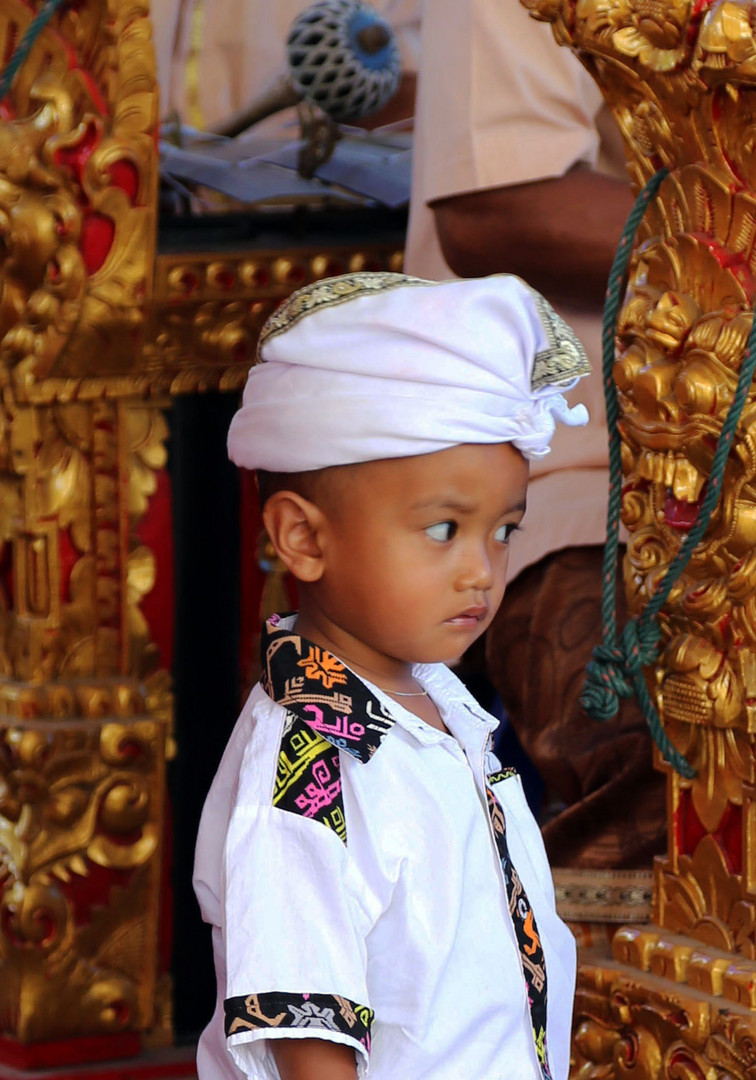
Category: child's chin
[448,658]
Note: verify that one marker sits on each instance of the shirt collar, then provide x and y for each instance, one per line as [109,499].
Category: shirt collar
[327,696]
[448,691]
[470,725]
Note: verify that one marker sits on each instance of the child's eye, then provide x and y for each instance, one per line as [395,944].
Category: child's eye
[442,531]
[504,532]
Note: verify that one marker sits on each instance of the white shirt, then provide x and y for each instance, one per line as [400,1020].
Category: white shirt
[406,916]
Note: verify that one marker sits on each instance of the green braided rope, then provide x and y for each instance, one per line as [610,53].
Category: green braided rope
[617,669]
[24,47]
[608,334]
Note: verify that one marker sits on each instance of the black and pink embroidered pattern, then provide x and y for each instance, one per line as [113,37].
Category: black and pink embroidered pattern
[526,931]
[319,1011]
[321,691]
[308,777]
[328,710]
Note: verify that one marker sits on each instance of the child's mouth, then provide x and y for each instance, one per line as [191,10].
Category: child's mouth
[470,617]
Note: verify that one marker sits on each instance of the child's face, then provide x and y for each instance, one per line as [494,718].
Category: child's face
[416,553]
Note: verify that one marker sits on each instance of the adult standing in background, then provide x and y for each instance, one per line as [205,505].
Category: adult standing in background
[215,56]
[519,169]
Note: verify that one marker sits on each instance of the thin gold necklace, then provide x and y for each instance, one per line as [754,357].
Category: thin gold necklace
[394,693]
[404,693]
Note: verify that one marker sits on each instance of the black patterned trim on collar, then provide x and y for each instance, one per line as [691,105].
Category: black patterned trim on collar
[317,1012]
[319,690]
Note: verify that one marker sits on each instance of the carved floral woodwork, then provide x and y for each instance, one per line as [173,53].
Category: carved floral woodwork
[208,311]
[631,1025]
[680,80]
[96,332]
[78,182]
[82,816]
[84,706]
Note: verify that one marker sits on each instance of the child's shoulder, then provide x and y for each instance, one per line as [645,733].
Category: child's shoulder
[252,745]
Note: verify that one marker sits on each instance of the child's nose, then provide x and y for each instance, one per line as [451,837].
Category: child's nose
[477,570]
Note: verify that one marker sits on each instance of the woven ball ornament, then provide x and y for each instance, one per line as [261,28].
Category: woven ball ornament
[343,57]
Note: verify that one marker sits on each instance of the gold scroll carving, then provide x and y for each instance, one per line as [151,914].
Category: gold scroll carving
[631,1024]
[84,708]
[208,311]
[97,331]
[680,79]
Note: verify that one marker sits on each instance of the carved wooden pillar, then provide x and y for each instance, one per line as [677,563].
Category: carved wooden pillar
[97,332]
[84,717]
[85,708]
[680,77]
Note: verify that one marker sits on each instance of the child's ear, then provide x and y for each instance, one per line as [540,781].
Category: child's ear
[293,525]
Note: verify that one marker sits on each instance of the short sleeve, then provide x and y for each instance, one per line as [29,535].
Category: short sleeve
[500,103]
[295,927]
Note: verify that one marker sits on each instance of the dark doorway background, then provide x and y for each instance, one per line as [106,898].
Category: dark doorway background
[206,680]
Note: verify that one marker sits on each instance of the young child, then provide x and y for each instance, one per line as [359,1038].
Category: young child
[378,891]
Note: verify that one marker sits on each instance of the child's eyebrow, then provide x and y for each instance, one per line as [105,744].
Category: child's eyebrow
[522,505]
[459,506]
[442,502]
[518,507]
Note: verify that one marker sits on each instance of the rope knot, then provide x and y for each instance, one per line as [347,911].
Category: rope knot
[613,670]
[606,682]
[617,671]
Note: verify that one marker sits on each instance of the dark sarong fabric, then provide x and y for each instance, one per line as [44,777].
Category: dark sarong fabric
[604,804]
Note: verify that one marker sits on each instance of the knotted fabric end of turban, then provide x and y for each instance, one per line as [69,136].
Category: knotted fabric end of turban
[377,365]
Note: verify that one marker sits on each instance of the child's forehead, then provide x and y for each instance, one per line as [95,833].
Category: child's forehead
[465,476]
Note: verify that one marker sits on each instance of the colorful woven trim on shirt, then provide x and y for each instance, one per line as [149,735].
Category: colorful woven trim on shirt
[308,777]
[328,709]
[319,1012]
[502,774]
[526,932]
[321,692]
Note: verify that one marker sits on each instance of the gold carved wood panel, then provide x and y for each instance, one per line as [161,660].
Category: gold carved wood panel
[97,331]
[680,80]
[84,707]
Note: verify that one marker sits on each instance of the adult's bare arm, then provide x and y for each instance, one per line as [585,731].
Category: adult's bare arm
[314,1059]
[559,234]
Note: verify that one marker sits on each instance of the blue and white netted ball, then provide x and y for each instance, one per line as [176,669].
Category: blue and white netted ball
[344,58]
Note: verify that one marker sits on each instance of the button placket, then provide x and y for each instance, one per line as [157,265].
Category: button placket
[532,961]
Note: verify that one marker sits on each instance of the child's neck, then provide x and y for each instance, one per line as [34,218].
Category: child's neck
[392,676]
[387,672]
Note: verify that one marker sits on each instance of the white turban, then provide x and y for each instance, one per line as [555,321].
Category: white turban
[378,365]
